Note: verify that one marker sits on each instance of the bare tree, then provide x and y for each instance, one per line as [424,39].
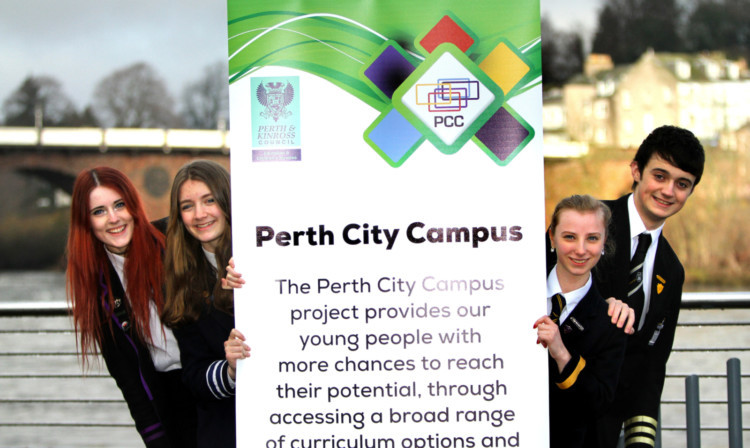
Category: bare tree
[134,96]
[206,101]
[39,100]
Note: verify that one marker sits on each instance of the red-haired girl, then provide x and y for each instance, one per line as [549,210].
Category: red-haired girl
[115,280]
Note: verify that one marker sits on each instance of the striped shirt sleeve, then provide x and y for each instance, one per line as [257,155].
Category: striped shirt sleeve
[218,381]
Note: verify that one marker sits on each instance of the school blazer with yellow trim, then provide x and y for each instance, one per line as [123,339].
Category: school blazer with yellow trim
[587,384]
[642,377]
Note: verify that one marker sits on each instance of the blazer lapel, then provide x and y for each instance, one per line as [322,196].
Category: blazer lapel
[660,287]
[622,241]
[575,326]
[610,276]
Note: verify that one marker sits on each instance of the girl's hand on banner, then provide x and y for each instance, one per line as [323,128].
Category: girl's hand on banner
[234,279]
[234,349]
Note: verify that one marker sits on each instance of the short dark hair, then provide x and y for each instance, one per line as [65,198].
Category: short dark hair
[677,146]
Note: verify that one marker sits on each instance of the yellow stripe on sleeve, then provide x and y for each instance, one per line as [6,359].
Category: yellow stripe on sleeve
[571,380]
[644,440]
[642,429]
[641,419]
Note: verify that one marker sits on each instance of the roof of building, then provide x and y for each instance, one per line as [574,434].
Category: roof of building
[695,67]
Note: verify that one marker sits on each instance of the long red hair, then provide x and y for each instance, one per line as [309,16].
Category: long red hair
[88,262]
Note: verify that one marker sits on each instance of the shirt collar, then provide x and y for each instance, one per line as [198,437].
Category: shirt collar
[211,257]
[636,223]
[117,260]
[572,298]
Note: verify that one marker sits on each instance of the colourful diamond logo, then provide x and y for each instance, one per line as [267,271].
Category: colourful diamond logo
[448,98]
[505,66]
[446,30]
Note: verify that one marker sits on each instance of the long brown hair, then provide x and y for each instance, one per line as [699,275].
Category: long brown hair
[88,263]
[190,277]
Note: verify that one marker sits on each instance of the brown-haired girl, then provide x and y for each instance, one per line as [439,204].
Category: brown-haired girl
[199,245]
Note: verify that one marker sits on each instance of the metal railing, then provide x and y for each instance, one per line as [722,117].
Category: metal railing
[690,301]
[734,408]
[731,425]
[48,397]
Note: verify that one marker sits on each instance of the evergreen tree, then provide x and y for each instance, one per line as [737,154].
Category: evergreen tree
[627,28]
[562,54]
[720,25]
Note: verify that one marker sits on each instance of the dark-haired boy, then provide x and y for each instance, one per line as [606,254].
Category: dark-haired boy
[666,168]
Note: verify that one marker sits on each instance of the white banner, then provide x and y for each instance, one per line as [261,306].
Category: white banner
[389,298]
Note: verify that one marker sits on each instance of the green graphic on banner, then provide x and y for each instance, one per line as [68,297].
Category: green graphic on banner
[429,74]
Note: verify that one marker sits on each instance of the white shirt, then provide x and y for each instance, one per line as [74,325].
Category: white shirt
[211,257]
[572,298]
[165,353]
[636,228]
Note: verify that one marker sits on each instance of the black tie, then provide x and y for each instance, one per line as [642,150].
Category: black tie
[636,296]
[558,303]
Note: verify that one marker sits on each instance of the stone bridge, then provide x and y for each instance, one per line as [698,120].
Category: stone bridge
[38,168]
[55,156]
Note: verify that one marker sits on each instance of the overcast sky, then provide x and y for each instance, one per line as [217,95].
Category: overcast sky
[79,42]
